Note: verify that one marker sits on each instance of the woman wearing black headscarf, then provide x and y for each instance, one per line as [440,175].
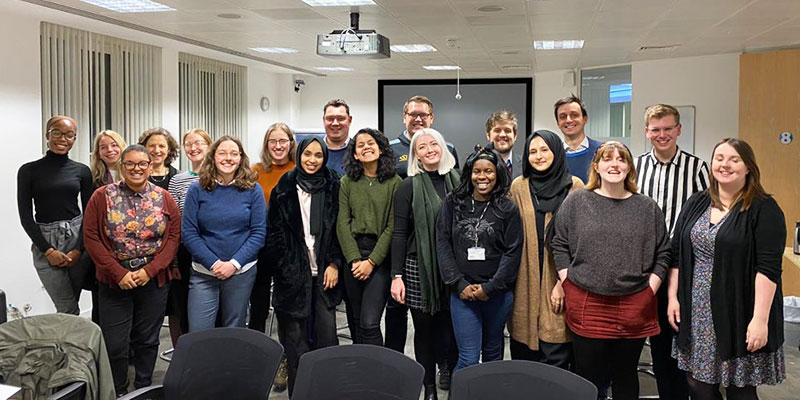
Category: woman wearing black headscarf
[302,229]
[537,328]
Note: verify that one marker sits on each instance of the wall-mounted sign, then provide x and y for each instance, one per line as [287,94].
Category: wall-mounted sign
[786,137]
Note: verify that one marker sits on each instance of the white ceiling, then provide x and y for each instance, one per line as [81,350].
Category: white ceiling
[613,30]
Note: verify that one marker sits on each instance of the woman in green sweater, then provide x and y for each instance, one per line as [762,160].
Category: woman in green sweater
[368,186]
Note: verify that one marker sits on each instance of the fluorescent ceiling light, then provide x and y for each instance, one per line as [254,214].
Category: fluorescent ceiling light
[412,48]
[338,3]
[130,6]
[333,69]
[557,44]
[516,67]
[441,67]
[275,50]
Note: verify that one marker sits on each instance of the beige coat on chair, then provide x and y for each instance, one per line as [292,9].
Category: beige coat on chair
[532,318]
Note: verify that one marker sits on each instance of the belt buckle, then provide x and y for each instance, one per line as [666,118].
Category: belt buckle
[136,263]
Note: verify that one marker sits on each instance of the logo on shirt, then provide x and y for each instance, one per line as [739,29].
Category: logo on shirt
[403,158]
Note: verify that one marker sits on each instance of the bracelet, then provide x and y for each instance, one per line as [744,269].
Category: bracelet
[369,260]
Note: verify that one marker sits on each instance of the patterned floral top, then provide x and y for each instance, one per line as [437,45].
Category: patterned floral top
[135,222]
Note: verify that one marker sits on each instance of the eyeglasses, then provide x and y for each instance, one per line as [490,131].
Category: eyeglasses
[667,129]
[130,165]
[282,142]
[196,143]
[223,154]
[339,119]
[419,115]
[55,133]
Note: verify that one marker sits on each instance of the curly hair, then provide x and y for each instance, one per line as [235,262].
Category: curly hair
[386,161]
[97,165]
[244,178]
[465,188]
[172,144]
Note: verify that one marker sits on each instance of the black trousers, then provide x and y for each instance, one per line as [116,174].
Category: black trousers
[601,361]
[260,296]
[396,325]
[670,379]
[301,335]
[428,351]
[131,319]
[367,300]
[556,354]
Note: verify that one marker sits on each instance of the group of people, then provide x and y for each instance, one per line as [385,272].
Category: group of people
[583,252]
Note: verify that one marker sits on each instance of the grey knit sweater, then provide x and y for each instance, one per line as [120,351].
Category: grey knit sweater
[610,246]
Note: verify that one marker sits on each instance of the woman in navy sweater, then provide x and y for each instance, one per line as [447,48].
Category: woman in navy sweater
[224,225]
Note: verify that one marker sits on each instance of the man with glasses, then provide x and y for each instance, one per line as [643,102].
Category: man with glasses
[571,118]
[501,131]
[337,119]
[417,115]
[669,176]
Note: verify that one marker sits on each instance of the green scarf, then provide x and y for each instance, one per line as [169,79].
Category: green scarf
[426,204]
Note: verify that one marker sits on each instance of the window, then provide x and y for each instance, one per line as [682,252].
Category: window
[606,93]
[212,96]
[101,81]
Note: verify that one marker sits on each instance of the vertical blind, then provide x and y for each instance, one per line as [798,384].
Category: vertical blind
[101,81]
[212,96]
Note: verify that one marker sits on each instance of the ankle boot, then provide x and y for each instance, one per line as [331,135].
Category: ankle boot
[430,392]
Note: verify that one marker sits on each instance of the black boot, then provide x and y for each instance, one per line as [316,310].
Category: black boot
[444,376]
[430,392]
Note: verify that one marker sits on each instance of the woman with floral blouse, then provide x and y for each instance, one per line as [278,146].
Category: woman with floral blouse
[132,230]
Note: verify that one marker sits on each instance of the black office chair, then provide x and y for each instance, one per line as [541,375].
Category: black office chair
[357,372]
[519,380]
[219,363]
[73,391]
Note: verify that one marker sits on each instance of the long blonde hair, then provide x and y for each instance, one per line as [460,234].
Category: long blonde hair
[606,149]
[244,177]
[266,158]
[97,165]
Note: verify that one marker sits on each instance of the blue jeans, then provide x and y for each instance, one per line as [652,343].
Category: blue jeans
[472,320]
[209,295]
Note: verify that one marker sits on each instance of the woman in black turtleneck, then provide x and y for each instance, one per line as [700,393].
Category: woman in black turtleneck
[51,185]
[302,229]
[416,281]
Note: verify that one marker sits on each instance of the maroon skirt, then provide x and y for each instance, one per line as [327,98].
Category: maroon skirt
[598,316]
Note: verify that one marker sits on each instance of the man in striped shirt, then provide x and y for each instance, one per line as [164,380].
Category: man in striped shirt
[669,176]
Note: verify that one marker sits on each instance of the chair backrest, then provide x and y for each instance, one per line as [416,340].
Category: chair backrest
[357,372]
[223,363]
[519,380]
[3,315]
[73,391]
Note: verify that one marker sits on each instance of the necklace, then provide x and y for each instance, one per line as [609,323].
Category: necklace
[370,180]
[158,179]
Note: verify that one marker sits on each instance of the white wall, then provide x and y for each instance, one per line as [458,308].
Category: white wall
[361,94]
[710,83]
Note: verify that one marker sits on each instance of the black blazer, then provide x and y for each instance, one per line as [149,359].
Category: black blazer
[747,243]
[286,244]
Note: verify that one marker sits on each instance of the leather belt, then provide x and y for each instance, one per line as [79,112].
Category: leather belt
[134,264]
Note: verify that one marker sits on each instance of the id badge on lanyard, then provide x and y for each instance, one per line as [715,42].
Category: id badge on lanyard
[477,253]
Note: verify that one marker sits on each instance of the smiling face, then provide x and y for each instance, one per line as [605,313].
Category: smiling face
[367,149]
[279,146]
[109,150]
[312,158]
[571,120]
[539,154]
[227,158]
[612,168]
[135,169]
[428,152]
[503,135]
[484,177]
[337,123]
[417,116]
[158,148]
[61,136]
[663,134]
[195,147]
[728,167]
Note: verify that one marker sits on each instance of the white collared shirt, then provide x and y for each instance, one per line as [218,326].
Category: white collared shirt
[581,147]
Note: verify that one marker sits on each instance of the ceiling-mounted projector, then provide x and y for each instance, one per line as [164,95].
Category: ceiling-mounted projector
[353,42]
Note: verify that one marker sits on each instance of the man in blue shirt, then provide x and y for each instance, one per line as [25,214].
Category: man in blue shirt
[572,118]
[336,118]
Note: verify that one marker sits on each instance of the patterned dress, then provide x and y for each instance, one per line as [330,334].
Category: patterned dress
[700,357]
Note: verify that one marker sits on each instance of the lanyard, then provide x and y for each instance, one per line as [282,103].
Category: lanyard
[478,222]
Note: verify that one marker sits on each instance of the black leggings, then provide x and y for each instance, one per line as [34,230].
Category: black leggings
[368,297]
[706,391]
[428,330]
[555,354]
[602,361]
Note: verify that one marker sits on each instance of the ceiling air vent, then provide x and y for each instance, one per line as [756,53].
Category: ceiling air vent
[664,48]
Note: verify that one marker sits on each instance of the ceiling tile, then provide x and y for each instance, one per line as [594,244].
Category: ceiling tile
[290,14]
